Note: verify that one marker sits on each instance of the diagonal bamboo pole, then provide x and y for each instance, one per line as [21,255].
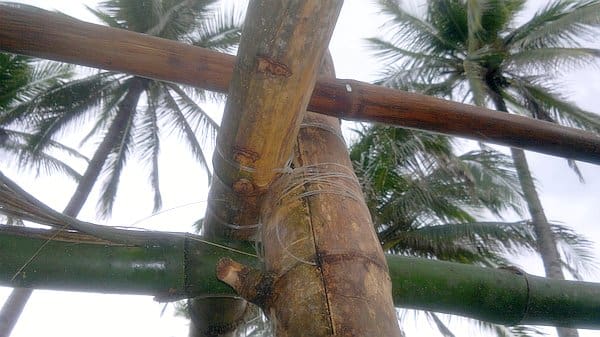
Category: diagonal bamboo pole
[74,261]
[282,45]
[31,31]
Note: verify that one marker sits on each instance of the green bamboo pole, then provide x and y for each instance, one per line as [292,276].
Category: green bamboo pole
[504,296]
[180,266]
[185,267]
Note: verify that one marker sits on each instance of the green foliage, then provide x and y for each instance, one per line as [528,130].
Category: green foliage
[14,75]
[474,50]
[22,80]
[425,199]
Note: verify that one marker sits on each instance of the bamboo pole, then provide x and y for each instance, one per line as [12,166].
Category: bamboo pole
[325,273]
[175,266]
[72,261]
[317,234]
[31,31]
[282,45]
[281,49]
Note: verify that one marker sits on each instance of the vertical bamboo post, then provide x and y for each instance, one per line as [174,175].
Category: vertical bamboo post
[325,271]
[283,43]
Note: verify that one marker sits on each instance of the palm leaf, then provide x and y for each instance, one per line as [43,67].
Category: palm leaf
[558,24]
[149,142]
[220,29]
[404,26]
[553,105]
[15,144]
[180,125]
[114,164]
[558,60]
[577,251]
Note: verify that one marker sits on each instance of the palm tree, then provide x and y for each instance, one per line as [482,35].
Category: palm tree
[474,49]
[426,201]
[20,79]
[115,102]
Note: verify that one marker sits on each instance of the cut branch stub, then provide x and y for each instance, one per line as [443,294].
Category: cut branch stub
[252,284]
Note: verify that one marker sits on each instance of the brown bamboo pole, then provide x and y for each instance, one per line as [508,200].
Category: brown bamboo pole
[282,45]
[31,31]
[325,272]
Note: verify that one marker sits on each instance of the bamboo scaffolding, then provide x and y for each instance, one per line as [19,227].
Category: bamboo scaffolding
[31,31]
[73,261]
[37,33]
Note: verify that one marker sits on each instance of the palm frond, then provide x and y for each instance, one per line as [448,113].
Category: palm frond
[577,251]
[404,26]
[165,17]
[441,326]
[480,241]
[15,144]
[179,124]
[220,29]
[539,101]
[558,24]
[115,162]
[553,60]
[493,180]
[475,74]
[475,9]
[106,18]
[149,142]
[506,331]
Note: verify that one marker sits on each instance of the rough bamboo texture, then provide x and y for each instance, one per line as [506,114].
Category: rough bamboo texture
[281,49]
[329,273]
[34,32]
[279,55]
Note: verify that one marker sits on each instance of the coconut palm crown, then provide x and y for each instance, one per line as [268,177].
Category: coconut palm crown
[474,50]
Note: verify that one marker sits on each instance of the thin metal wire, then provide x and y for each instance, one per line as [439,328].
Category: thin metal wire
[220,156]
[324,178]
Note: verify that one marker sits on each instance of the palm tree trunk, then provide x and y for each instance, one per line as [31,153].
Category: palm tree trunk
[13,307]
[545,238]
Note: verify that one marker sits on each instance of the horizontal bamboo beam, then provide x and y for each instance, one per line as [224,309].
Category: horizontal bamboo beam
[173,270]
[504,296]
[179,266]
[34,32]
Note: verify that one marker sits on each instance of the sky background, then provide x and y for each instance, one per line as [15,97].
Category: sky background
[72,314]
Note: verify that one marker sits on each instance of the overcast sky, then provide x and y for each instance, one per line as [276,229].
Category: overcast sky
[72,314]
